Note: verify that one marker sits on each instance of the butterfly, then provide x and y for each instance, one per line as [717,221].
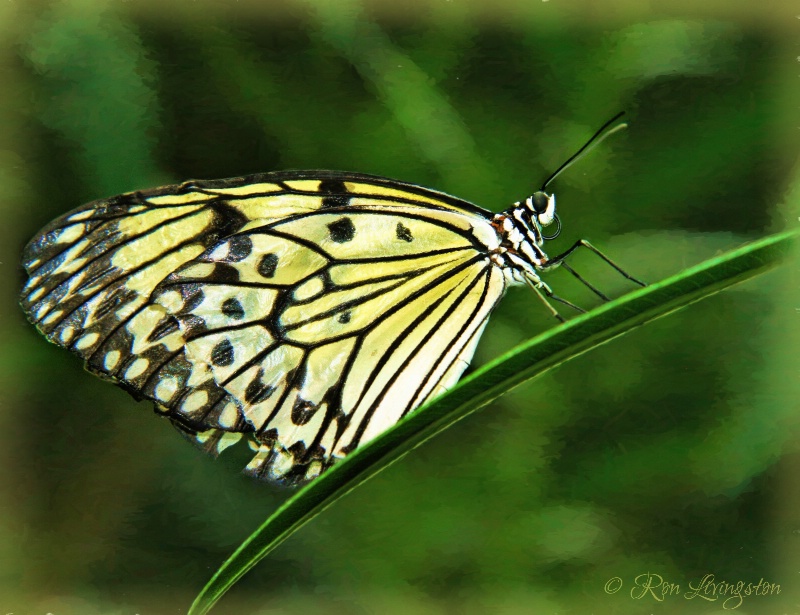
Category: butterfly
[304,311]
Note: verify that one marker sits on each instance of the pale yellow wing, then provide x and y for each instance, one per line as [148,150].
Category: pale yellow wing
[346,312]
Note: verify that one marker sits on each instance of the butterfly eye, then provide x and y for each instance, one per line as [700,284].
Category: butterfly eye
[544,206]
[540,201]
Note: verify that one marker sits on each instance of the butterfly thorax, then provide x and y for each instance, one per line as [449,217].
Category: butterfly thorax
[520,230]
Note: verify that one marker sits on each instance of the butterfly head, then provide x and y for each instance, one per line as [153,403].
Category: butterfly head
[528,218]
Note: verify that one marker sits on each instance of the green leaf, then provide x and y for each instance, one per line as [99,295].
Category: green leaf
[522,363]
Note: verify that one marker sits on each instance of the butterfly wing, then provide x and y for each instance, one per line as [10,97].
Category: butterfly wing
[311,311]
[97,264]
[336,335]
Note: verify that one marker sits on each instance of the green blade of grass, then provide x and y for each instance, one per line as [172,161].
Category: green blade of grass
[522,363]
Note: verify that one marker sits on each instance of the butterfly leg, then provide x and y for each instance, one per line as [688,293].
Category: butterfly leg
[584,281]
[559,260]
[540,287]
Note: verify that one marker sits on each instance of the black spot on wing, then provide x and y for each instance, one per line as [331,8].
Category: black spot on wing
[303,411]
[257,391]
[332,186]
[193,296]
[225,273]
[227,220]
[194,326]
[232,308]
[404,233]
[267,265]
[268,436]
[344,317]
[336,193]
[239,248]
[298,450]
[343,230]
[223,353]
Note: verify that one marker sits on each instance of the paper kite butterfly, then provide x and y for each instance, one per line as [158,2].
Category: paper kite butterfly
[306,311]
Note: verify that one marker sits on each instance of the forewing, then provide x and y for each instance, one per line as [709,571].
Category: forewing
[92,268]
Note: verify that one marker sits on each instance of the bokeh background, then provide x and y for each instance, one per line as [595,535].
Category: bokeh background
[671,451]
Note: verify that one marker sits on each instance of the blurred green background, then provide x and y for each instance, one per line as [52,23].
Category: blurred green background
[670,451]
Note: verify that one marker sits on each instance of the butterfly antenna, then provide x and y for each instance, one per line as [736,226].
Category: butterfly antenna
[596,139]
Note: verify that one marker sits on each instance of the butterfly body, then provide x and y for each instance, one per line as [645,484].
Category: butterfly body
[305,311]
